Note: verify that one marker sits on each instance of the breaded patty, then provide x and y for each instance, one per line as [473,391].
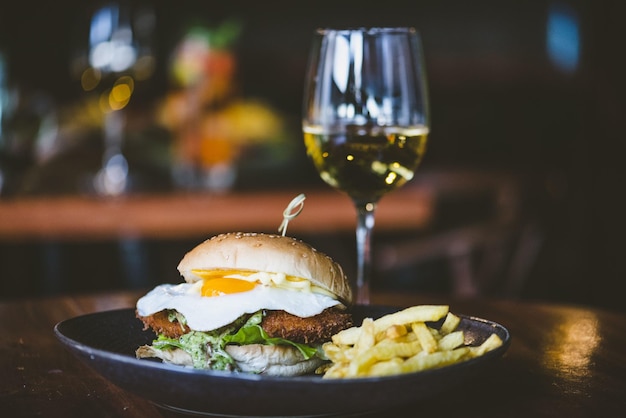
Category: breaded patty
[315,329]
[312,330]
[160,324]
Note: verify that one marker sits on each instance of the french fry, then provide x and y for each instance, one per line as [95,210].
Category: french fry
[338,354]
[451,341]
[450,323]
[401,342]
[361,363]
[489,344]
[393,332]
[348,336]
[424,336]
[420,313]
[388,349]
[337,370]
[386,368]
[423,361]
[410,336]
[367,338]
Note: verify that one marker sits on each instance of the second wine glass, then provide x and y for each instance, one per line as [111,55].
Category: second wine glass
[366,120]
[115,54]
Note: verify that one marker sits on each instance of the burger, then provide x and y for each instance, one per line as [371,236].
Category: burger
[250,302]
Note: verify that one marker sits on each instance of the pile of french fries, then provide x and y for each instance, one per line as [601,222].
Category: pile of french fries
[401,342]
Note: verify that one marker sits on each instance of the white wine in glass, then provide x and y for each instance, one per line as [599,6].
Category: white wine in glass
[366,119]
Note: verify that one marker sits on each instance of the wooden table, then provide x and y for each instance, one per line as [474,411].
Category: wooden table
[185,214]
[182,215]
[563,362]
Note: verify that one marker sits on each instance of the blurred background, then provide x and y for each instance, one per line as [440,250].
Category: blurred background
[107,100]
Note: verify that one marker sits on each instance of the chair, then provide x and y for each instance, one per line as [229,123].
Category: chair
[481,235]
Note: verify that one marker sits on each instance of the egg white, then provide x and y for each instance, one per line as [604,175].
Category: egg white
[208,313]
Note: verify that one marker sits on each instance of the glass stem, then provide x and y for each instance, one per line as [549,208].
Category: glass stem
[364,228]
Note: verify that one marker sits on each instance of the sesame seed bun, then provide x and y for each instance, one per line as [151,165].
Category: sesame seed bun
[267,253]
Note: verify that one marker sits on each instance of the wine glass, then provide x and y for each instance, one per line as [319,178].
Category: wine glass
[366,119]
[118,55]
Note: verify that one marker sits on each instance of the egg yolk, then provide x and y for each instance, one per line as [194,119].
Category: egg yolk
[222,286]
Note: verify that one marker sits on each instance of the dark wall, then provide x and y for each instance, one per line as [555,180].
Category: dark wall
[496,95]
[498,99]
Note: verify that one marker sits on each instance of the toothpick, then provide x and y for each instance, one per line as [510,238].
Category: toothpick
[293,209]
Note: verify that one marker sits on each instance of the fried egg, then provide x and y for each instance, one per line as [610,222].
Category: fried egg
[218,299]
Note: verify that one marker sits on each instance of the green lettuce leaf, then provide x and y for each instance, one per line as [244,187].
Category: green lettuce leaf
[207,348]
[254,334]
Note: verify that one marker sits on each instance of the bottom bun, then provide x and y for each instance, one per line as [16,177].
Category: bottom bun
[273,360]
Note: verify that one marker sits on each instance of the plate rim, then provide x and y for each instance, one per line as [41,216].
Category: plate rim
[94,357]
[125,358]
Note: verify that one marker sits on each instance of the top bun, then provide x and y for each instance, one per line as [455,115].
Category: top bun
[269,253]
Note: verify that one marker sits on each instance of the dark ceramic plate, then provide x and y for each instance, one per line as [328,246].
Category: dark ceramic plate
[107,341]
